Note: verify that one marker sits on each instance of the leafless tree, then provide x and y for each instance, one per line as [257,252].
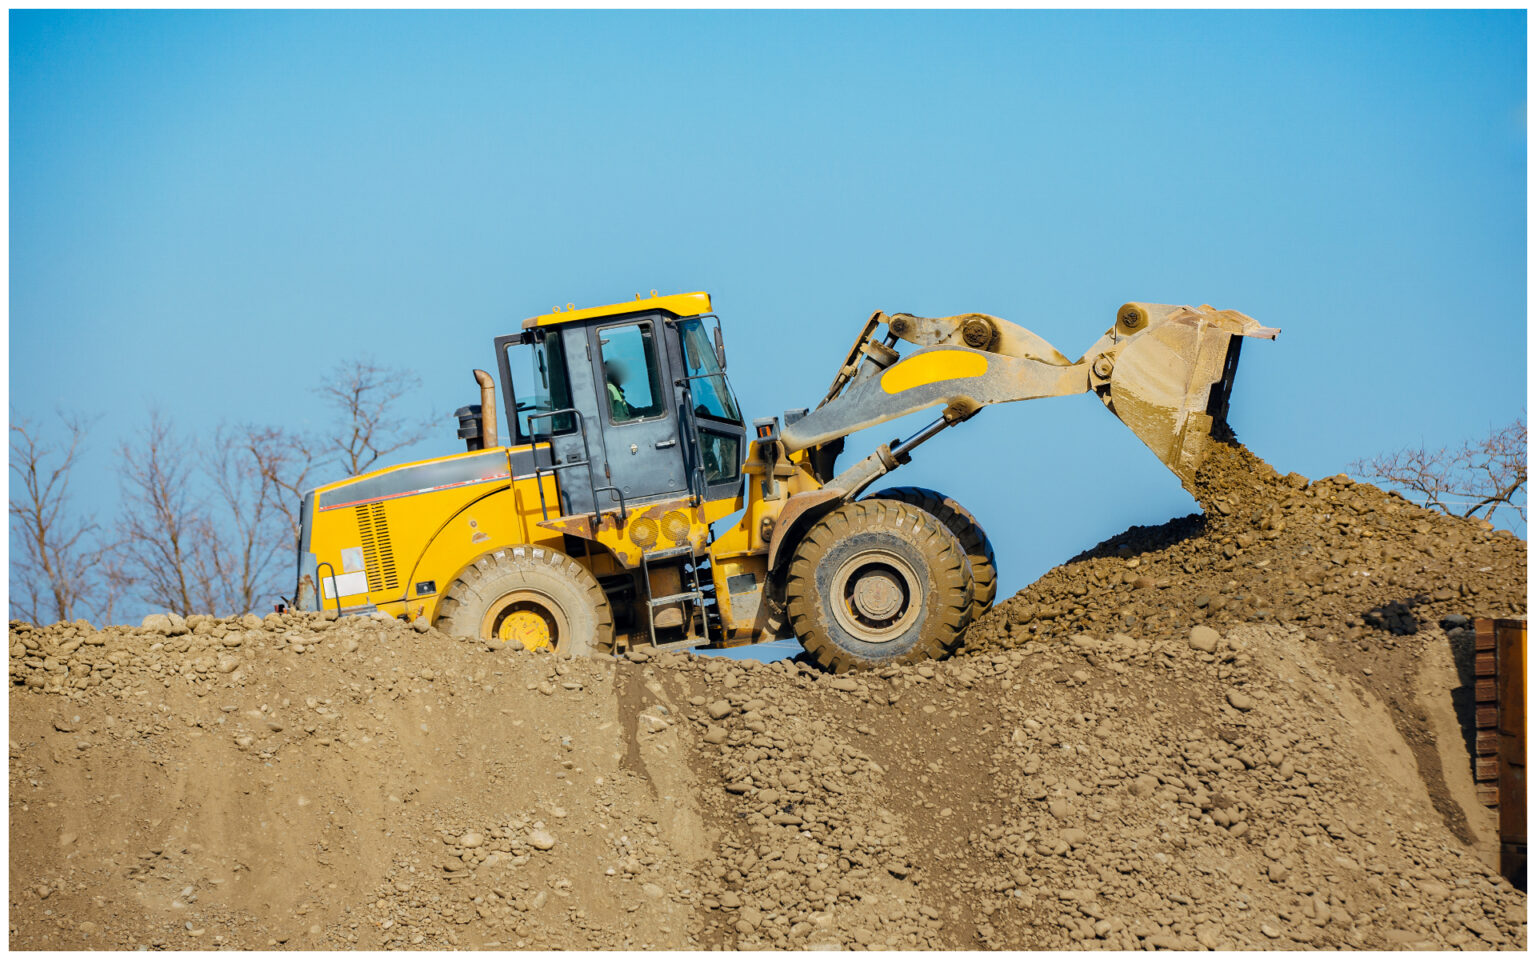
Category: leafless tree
[163,528]
[370,427]
[52,570]
[212,532]
[1480,476]
[114,581]
[287,462]
[249,535]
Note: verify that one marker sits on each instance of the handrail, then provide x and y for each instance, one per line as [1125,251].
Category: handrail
[695,467]
[586,449]
[334,589]
[696,472]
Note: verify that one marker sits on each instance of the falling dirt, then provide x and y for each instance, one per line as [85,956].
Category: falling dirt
[1225,732]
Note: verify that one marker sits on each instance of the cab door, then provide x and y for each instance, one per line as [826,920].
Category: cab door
[641,447]
[717,432]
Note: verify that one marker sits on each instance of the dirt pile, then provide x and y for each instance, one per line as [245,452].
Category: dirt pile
[1111,791]
[293,781]
[300,782]
[1344,561]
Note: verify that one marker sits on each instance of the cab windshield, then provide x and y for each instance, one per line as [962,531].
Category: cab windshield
[711,394]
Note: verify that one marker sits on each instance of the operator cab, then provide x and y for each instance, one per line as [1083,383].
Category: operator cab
[632,399]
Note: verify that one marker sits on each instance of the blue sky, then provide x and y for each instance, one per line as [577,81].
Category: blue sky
[209,210]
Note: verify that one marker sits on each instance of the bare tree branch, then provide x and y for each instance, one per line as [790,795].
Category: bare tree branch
[1479,476]
[287,463]
[365,394]
[51,573]
[249,536]
[162,525]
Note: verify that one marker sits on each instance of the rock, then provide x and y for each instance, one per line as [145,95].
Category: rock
[1204,639]
[420,625]
[1240,701]
[541,840]
[652,890]
[472,839]
[715,734]
[157,622]
[719,710]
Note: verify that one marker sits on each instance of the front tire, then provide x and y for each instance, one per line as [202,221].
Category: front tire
[978,549]
[529,596]
[877,582]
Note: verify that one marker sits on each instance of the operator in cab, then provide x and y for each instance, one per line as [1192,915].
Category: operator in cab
[616,374]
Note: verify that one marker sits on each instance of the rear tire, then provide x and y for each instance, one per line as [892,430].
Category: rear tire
[978,549]
[877,582]
[530,596]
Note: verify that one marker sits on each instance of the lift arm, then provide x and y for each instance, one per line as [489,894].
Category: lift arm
[1165,371]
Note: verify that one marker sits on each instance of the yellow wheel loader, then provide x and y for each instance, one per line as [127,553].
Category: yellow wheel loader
[587,523]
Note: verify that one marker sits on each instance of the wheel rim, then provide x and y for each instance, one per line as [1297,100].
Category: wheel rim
[525,618]
[876,596]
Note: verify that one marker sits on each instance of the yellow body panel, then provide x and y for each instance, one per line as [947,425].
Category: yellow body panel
[377,544]
[507,516]
[680,304]
[429,536]
[932,367]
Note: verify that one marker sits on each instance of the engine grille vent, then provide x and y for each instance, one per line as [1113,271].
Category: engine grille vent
[378,553]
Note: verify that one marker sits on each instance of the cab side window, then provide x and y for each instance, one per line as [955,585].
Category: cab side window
[631,374]
[540,385]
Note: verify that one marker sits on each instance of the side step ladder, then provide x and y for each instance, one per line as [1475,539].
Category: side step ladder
[694,596]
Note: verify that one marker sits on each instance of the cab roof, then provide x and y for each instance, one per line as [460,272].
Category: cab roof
[678,304]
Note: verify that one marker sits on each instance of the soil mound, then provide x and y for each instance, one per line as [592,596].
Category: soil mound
[299,782]
[302,783]
[1344,561]
[1216,733]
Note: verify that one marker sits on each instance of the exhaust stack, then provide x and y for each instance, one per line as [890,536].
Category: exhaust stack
[487,408]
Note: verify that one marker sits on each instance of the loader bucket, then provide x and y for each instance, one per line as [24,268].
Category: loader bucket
[1167,374]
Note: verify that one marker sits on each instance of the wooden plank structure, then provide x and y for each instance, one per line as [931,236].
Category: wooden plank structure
[1510,665]
[1498,686]
[1485,695]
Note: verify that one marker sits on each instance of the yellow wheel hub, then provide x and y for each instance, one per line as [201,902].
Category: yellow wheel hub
[525,617]
[528,626]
